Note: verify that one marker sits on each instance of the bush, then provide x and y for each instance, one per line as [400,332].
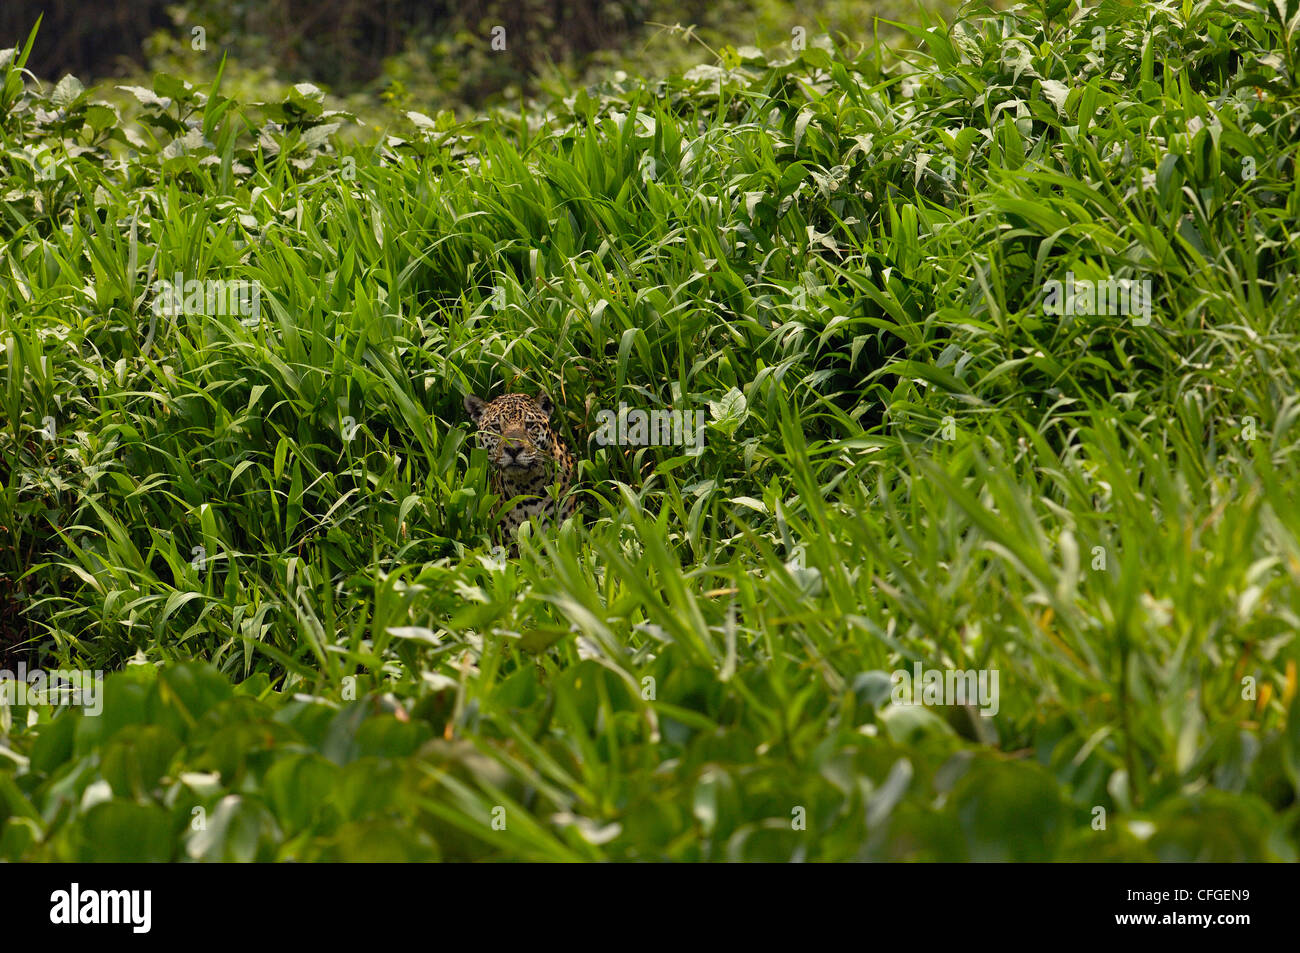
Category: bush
[272,527]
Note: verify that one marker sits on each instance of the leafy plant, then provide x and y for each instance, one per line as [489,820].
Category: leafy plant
[269,524]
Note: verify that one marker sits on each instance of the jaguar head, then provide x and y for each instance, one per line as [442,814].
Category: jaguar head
[515,430]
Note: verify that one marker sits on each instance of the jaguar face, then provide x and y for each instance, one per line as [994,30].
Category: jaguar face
[515,430]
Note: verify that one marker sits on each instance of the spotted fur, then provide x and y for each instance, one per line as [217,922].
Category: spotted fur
[527,459]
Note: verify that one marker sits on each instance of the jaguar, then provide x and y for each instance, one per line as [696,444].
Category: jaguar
[528,460]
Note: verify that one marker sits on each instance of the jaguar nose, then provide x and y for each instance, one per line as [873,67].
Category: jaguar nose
[513,446]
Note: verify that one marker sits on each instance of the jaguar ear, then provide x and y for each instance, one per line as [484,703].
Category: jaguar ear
[474,407]
[543,402]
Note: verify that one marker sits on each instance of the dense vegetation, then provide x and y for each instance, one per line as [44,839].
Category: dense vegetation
[272,529]
[423,54]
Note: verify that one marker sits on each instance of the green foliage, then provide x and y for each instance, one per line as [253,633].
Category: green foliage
[272,527]
[465,56]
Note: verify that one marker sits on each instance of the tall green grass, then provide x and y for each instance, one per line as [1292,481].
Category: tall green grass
[275,531]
